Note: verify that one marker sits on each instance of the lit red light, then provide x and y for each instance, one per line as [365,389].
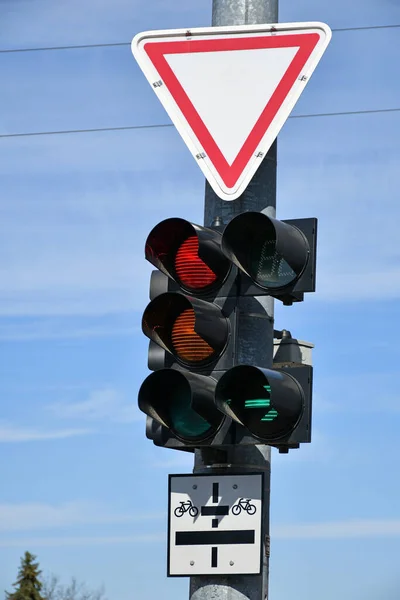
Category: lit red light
[188,345]
[191,270]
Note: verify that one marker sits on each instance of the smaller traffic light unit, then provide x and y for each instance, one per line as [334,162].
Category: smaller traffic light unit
[279,257]
[198,395]
[273,405]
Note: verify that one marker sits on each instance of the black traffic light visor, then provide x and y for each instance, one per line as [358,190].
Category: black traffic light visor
[181,402]
[189,254]
[195,332]
[272,253]
[268,403]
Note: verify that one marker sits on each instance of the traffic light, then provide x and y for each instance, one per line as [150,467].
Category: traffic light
[274,406]
[278,257]
[188,254]
[198,395]
[191,325]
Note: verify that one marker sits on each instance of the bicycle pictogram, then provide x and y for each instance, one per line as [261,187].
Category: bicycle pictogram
[186,507]
[244,504]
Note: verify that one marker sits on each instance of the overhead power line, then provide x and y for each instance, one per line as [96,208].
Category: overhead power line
[339,29]
[164,125]
[115,44]
[76,47]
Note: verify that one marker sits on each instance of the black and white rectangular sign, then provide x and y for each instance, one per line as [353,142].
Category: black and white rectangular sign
[215,524]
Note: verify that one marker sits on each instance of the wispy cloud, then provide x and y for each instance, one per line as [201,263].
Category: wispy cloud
[100,405]
[52,329]
[29,516]
[78,258]
[340,529]
[307,531]
[82,541]
[13,434]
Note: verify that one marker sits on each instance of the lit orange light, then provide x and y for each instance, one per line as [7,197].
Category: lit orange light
[192,272]
[187,343]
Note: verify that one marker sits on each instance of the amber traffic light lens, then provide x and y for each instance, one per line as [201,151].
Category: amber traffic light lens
[192,330]
[188,345]
[191,270]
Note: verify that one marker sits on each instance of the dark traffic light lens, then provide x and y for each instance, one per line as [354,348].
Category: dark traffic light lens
[169,396]
[185,422]
[188,345]
[190,269]
[272,253]
[266,266]
[269,407]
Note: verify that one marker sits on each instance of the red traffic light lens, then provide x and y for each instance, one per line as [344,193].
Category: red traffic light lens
[190,269]
[189,254]
[188,345]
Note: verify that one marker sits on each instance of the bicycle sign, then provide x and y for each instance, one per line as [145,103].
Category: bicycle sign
[186,507]
[245,505]
[215,524]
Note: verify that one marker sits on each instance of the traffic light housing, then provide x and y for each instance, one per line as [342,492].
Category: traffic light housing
[273,405]
[190,322]
[198,395]
[278,257]
[189,255]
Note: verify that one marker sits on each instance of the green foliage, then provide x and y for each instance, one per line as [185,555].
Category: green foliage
[28,584]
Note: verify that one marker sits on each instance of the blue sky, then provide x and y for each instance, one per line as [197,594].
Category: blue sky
[80,485]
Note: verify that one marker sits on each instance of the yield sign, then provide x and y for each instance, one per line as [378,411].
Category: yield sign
[229,90]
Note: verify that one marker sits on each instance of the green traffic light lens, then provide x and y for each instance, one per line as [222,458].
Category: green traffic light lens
[268,411]
[259,415]
[266,265]
[185,422]
[272,253]
[167,396]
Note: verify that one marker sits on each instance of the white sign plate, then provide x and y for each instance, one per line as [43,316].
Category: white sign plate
[229,90]
[215,524]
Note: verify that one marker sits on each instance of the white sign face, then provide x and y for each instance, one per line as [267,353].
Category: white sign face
[215,524]
[229,90]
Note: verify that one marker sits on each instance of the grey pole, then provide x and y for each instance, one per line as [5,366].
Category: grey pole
[256,327]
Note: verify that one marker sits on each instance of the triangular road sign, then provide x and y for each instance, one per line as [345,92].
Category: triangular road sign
[229,90]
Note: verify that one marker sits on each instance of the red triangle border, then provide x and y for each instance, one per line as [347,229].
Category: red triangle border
[156,51]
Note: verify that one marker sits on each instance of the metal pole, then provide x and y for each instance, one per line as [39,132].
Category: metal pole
[256,327]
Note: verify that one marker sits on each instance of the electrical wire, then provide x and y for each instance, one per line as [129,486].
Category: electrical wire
[115,44]
[164,125]
[93,130]
[77,47]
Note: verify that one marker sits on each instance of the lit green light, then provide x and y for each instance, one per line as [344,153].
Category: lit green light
[256,403]
[271,415]
[259,402]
